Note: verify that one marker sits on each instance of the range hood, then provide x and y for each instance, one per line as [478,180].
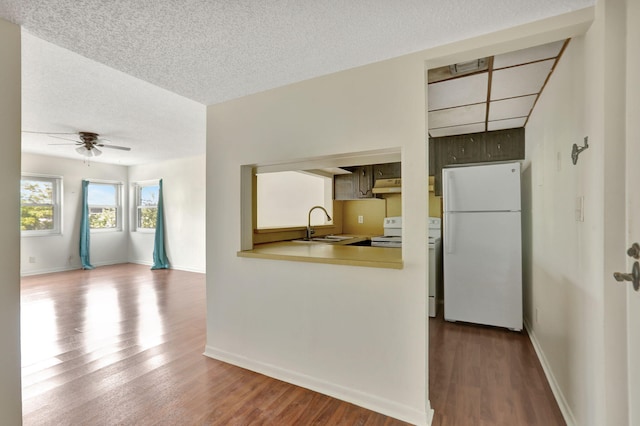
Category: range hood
[388,186]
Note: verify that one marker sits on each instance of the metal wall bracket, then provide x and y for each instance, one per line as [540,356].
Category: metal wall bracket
[576,150]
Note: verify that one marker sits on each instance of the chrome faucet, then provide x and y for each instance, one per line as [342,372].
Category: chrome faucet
[310,231]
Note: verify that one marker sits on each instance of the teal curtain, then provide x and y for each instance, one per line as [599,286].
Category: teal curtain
[84,228]
[160,260]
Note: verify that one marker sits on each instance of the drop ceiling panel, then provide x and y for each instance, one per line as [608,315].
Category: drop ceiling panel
[506,124]
[457,116]
[514,107]
[459,91]
[519,81]
[457,130]
[537,53]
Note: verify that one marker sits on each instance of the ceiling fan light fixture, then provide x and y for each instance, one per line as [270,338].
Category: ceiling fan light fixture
[88,152]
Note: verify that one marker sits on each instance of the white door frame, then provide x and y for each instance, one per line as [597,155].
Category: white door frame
[632,138]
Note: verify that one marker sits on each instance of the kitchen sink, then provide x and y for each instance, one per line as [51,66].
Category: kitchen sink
[331,238]
[365,243]
[325,239]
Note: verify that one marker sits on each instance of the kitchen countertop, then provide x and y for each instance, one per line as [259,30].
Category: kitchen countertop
[339,253]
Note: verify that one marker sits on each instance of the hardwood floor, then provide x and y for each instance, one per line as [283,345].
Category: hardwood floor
[486,376]
[122,345]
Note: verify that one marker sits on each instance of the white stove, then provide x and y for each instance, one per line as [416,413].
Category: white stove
[435,252]
[386,241]
[392,233]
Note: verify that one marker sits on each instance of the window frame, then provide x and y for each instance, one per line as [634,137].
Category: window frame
[56,198]
[137,190]
[119,203]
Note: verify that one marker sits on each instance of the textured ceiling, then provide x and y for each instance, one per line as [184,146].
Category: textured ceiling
[65,92]
[212,51]
[141,72]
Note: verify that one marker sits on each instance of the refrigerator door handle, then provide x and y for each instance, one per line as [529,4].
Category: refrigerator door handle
[448,233]
[449,188]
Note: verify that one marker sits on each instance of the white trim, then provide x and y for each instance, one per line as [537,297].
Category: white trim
[354,396]
[119,206]
[105,181]
[147,182]
[57,205]
[48,270]
[553,383]
[137,188]
[172,266]
[41,175]
[69,268]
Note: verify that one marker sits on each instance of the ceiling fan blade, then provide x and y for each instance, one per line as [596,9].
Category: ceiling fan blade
[122,148]
[57,144]
[66,139]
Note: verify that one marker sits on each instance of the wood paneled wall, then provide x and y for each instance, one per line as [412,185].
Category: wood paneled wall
[499,145]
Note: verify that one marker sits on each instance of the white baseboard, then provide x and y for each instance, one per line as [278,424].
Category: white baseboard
[109,262]
[48,270]
[141,262]
[97,264]
[67,268]
[557,392]
[171,266]
[362,399]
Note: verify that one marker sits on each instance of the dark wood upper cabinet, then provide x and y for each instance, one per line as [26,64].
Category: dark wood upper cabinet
[499,145]
[387,171]
[359,183]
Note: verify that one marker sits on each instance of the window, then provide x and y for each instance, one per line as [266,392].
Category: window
[147,206]
[104,206]
[40,210]
[284,198]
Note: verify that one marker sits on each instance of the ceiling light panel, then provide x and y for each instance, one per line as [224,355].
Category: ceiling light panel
[459,91]
[457,116]
[537,53]
[509,108]
[519,81]
[506,124]
[457,130]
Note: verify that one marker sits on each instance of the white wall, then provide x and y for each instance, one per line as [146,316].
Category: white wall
[184,196]
[60,252]
[10,389]
[354,332]
[573,308]
[183,182]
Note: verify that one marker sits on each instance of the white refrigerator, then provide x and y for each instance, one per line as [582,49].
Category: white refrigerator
[483,244]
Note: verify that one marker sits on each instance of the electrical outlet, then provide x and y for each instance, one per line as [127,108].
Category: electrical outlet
[32,259]
[360,219]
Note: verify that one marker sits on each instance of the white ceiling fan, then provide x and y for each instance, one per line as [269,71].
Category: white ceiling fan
[87,143]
